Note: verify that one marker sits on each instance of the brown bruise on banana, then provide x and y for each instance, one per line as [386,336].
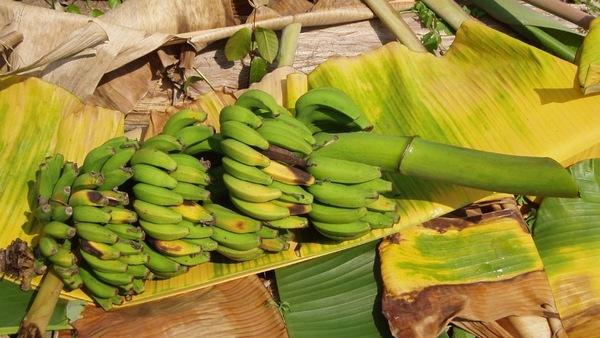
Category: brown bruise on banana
[89,248]
[426,312]
[283,155]
[95,197]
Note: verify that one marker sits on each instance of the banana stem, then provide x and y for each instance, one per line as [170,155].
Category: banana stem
[565,11]
[539,176]
[449,10]
[37,318]
[289,43]
[386,13]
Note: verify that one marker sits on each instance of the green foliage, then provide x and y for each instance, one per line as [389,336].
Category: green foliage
[96,12]
[238,45]
[113,3]
[258,69]
[435,24]
[73,9]
[190,80]
[591,6]
[262,45]
[267,43]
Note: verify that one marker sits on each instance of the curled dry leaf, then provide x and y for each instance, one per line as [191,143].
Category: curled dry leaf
[481,268]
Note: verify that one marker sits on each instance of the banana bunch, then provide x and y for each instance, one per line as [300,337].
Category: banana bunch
[169,189]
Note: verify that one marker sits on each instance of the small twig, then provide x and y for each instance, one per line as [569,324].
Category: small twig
[205,78]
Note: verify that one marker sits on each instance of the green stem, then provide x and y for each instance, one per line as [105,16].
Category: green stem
[449,11]
[37,318]
[539,176]
[386,13]
[289,43]
[565,11]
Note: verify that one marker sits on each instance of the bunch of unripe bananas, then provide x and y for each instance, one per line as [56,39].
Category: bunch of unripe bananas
[276,183]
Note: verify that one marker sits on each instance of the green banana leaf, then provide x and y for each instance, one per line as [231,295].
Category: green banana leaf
[334,296]
[589,60]
[537,28]
[16,302]
[567,235]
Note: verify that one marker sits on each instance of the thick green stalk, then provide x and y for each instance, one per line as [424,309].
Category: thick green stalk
[386,13]
[449,11]
[37,318]
[289,42]
[540,176]
[565,11]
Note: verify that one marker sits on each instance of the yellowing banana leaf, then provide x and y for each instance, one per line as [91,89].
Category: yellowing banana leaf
[334,296]
[479,268]
[567,235]
[39,119]
[589,60]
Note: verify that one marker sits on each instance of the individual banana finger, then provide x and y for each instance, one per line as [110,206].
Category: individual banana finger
[119,160]
[207,244]
[139,270]
[63,257]
[114,278]
[59,230]
[134,260]
[166,275]
[211,144]
[62,188]
[243,133]
[191,135]
[192,175]
[96,158]
[243,153]
[380,220]
[104,265]
[330,214]
[292,193]
[196,230]
[156,195]
[239,114]
[43,212]
[165,232]
[267,232]
[115,198]
[158,263]
[274,244]
[294,208]
[288,174]
[235,241]
[163,142]
[61,212]
[190,161]
[89,180]
[96,233]
[126,231]
[128,247]
[175,247]
[192,192]
[95,286]
[345,231]
[265,211]
[245,172]
[379,185]
[292,222]
[48,246]
[88,197]
[282,139]
[182,119]
[341,171]
[153,157]
[119,215]
[193,212]
[155,213]
[116,178]
[341,195]
[145,173]
[240,256]
[192,260]
[383,204]
[90,214]
[248,191]
[229,220]
[299,127]
[100,250]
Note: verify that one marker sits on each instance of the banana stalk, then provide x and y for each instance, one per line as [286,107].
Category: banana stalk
[417,157]
[37,318]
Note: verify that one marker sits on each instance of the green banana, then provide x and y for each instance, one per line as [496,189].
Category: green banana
[294,208]
[43,212]
[257,100]
[239,114]
[191,135]
[165,232]
[245,172]
[251,192]
[59,230]
[212,143]
[128,247]
[191,260]
[116,141]
[63,257]
[151,175]
[175,247]
[137,270]
[299,127]
[379,220]
[115,198]
[232,221]
[341,195]
[62,188]
[104,265]
[119,215]
[153,157]
[193,212]
[73,282]
[96,158]
[379,185]
[166,275]
[341,171]
[207,244]
[288,174]
[163,142]
[235,241]
[44,184]
[115,178]
[96,233]
[96,287]
[292,222]
[114,278]
[88,197]
[159,263]
[190,161]
[267,232]
[192,192]
[134,260]
[89,180]
[126,231]
[342,231]
[66,272]
[274,244]
[244,153]
[90,214]
[383,204]
[243,133]
[156,195]
[139,286]
[240,256]
[48,246]
[330,214]
[197,231]
[292,193]
[283,138]
[119,160]
[105,303]
[282,125]
[265,211]
[100,250]
[192,175]
[182,119]
[156,213]
[61,212]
